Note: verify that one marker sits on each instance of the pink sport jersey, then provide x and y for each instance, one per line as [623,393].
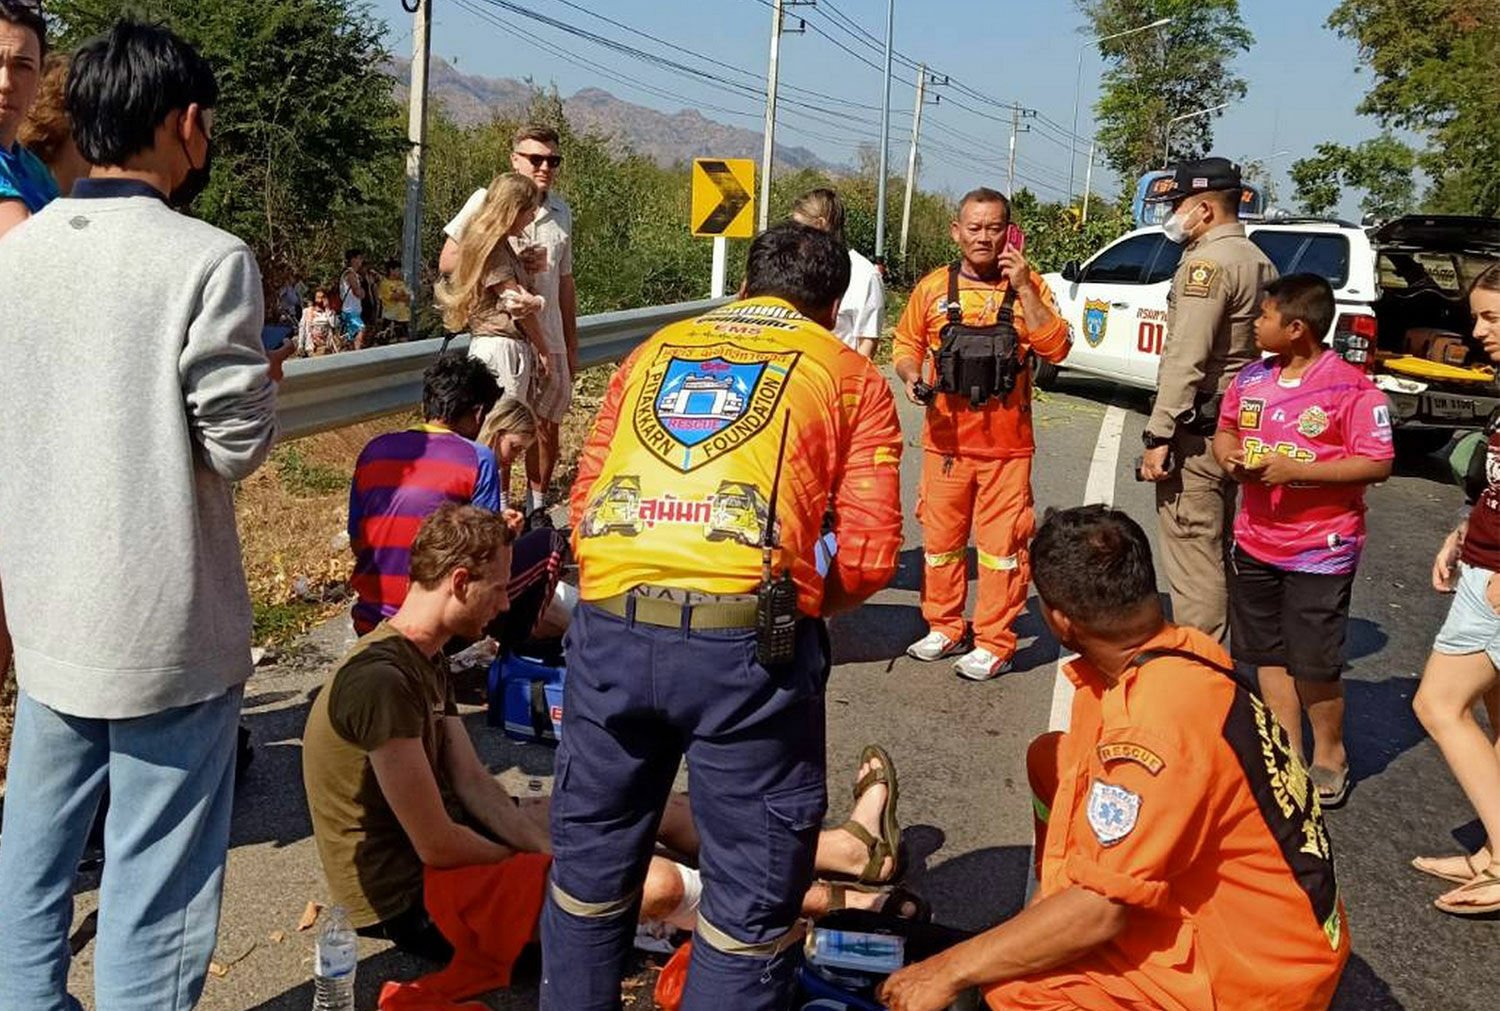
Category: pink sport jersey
[1333,413]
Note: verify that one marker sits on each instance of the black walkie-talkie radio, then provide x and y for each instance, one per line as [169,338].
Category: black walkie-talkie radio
[776,599]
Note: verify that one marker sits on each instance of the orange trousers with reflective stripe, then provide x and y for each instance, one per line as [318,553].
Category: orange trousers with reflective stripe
[993,498]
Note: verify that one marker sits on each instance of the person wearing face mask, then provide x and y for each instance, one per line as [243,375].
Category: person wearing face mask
[1211,313]
[124,586]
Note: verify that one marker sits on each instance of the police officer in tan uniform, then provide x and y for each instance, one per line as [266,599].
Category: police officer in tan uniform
[1210,336]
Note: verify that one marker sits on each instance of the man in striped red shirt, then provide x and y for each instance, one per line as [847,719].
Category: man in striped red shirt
[403,477]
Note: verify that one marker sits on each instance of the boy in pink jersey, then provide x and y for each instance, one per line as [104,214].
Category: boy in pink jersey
[1303,432]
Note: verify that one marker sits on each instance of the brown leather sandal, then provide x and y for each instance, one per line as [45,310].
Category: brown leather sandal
[886,846]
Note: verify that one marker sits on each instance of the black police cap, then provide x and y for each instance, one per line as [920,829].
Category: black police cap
[1202,176]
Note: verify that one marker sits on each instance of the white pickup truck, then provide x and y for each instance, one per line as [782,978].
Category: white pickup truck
[1402,310]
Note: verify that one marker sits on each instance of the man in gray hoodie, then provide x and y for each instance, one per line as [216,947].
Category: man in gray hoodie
[136,392]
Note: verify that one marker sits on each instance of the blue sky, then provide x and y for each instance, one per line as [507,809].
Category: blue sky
[1303,81]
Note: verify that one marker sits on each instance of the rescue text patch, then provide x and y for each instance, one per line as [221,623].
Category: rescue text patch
[1122,751]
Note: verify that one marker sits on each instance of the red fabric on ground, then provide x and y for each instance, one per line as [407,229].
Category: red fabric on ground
[488,913]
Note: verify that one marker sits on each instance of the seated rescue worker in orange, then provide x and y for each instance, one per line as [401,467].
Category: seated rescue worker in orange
[1184,861]
[963,348]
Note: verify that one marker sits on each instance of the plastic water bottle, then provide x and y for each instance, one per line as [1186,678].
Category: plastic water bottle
[335,957]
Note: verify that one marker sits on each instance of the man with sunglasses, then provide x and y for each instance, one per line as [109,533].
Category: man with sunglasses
[546,248]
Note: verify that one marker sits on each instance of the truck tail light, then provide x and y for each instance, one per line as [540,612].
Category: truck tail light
[1354,338]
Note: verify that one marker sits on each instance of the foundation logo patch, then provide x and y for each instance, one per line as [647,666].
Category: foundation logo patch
[699,403]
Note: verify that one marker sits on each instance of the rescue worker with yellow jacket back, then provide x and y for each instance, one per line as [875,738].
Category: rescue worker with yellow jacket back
[741,483]
[963,348]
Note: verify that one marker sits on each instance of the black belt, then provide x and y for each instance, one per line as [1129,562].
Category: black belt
[669,607]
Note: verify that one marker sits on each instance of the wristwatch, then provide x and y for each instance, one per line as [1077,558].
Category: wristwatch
[1154,441]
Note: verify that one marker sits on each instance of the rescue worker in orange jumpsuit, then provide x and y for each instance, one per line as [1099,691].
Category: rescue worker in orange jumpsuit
[1185,863]
[976,464]
[746,422]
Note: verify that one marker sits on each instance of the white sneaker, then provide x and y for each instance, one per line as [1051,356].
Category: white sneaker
[979,664]
[932,646]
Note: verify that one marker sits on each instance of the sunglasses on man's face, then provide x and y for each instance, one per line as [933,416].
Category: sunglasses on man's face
[538,160]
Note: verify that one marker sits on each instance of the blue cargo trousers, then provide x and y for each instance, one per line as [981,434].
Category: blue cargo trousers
[639,698]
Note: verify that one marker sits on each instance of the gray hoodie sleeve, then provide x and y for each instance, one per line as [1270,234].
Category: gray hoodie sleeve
[231,400]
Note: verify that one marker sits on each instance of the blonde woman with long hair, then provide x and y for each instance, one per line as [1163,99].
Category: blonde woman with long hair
[490,293]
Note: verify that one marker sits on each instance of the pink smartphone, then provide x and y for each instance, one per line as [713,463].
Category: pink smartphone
[1015,238]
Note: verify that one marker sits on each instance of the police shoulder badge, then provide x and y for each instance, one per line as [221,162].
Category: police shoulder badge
[699,402]
[1112,811]
[1095,320]
[1313,422]
[1198,281]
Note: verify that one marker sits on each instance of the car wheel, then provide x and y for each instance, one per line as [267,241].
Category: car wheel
[1044,373]
[1421,441]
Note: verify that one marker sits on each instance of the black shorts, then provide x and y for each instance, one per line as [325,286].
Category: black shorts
[1295,620]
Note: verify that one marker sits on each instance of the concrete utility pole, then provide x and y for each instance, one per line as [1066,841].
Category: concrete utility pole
[885,133]
[1016,115]
[911,160]
[416,157]
[1088,183]
[768,134]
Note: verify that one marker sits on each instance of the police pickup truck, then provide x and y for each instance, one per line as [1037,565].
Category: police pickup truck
[1402,310]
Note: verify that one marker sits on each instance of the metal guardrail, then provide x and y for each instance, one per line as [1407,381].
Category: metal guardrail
[318,394]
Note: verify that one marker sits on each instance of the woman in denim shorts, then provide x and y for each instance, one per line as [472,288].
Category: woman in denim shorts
[1464,667]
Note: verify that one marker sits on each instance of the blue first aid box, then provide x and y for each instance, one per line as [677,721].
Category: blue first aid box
[526,697]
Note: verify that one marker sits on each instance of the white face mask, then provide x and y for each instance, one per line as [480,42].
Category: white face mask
[1176,227]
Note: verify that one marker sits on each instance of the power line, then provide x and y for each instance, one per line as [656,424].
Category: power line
[841,127]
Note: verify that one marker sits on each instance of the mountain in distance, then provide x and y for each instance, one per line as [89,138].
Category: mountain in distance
[666,138]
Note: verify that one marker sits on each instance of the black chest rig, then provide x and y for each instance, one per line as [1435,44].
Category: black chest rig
[978,362]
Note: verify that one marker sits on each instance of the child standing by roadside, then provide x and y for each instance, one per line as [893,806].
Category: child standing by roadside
[395,304]
[1303,432]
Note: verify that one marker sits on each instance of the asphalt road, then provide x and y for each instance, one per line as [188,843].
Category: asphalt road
[960,748]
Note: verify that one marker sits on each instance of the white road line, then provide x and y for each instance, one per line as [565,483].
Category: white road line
[1099,489]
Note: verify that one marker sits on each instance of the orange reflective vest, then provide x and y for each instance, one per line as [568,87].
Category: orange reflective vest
[674,483]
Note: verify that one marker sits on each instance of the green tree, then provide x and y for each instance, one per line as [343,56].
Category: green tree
[1436,69]
[1170,71]
[307,130]
[1381,167]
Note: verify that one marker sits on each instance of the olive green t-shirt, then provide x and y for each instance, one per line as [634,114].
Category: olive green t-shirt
[384,689]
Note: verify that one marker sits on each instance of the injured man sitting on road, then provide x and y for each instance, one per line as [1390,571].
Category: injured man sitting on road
[1184,861]
[424,847]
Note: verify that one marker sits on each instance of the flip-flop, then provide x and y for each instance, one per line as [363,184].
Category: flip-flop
[1487,878]
[1417,864]
[886,846]
[1332,785]
[901,903]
